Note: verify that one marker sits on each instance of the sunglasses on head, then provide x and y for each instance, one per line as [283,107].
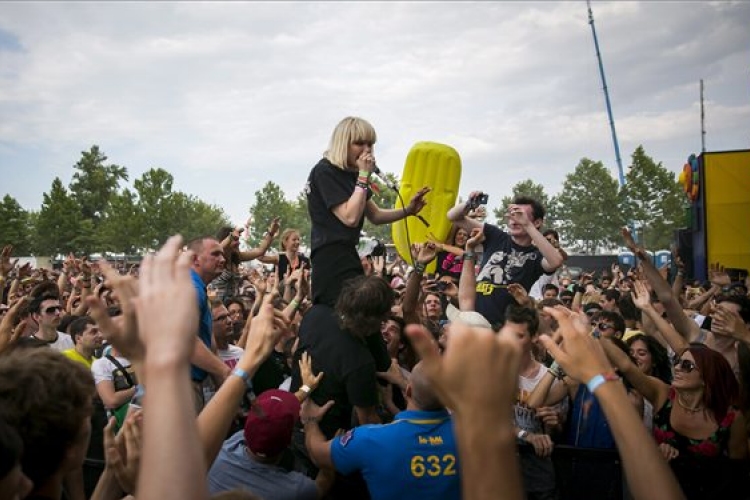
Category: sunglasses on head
[685,365]
[53,309]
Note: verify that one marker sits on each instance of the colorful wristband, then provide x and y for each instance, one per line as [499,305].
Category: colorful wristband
[600,379]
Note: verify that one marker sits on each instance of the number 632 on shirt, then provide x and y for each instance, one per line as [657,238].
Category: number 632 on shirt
[433,465]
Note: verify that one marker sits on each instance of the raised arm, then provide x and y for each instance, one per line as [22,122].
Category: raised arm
[424,254]
[642,301]
[265,243]
[582,358]
[378,215]
[488,462]
[457,214]
[682,324]
[167,321]
[651,388]
[216,418]
[467,293]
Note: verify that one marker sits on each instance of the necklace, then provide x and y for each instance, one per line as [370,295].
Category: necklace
[686,407]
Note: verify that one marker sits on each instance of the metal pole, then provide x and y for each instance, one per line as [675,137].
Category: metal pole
[606,97]
[703,122]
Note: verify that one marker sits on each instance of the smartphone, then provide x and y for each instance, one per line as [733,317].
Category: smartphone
[480,199]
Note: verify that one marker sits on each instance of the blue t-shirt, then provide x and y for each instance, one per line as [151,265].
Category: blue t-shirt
[415,456]
[233,469]
[588,426]
[205,322]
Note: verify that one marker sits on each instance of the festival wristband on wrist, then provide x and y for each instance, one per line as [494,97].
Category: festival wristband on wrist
[306,389]
[469,255]
[419,267]
[364,174]
[597,380]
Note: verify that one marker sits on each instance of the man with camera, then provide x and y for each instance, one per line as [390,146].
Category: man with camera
[520,255]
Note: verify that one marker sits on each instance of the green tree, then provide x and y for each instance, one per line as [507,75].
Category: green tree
[385,198]
[652,200]
[270,202]
[523,188]
[122,228]
[300,218]
[586,211]
[14,226]
[195,217]
[59,225]
[157,206]
[94,183]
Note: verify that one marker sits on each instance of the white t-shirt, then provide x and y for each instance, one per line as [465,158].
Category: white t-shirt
[231,355]
[102,369]
[526,417]
[63,342]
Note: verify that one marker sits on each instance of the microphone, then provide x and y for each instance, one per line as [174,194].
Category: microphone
[392,185]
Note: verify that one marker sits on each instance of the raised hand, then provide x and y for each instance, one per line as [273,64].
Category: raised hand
[123,452]
[472,353]
[519,293]
[167,305]
[417,202]
[427,253]
[718,276]
[517,214]
[122,332]
[580,355]
[306,372]
[475,238]
[267,327]
[637,250]
[273,229]
[6,266]
[9,332]
[641,296]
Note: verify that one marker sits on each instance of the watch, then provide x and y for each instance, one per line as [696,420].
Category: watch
[522,434]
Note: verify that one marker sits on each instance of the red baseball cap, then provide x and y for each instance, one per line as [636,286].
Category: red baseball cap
[269,425]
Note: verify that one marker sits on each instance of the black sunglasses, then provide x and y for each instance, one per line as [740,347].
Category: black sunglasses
[685,365]
[602,326]
[53,309]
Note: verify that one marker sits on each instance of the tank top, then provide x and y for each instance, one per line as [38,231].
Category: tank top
[716,445]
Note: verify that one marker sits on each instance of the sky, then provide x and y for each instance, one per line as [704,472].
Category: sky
[230,95]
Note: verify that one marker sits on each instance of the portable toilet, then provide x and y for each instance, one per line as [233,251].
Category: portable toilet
[662,258]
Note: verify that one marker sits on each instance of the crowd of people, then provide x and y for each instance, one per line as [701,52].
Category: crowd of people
[347,376]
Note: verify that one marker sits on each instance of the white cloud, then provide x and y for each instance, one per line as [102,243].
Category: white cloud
[227,96]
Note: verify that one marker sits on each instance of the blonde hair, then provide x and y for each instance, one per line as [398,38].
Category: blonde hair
[349,130]
[286,235]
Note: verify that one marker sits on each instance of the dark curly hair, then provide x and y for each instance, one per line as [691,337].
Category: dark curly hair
[364,302]
[661,367]
[47,398]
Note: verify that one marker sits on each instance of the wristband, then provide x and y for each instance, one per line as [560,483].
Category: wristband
[556,371]
[419,267]
[365,174]
[239,372]
[469,255]
[522,434]
[306,389]
[598,380]
[360,188]
[294,303]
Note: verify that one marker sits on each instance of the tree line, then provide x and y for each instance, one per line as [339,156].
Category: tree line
[94,214]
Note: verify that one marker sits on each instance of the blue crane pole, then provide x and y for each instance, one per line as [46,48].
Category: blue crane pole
[606,97]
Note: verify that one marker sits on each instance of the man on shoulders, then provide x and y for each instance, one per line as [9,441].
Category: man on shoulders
[414,457]
[520,255]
